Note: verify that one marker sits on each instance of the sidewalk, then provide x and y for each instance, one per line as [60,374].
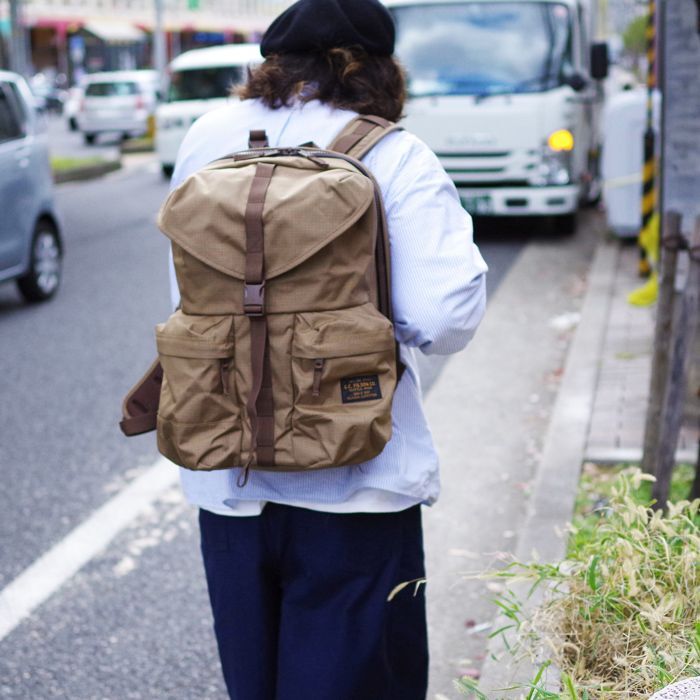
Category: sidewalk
[489,411]
[617,425]
[558,374]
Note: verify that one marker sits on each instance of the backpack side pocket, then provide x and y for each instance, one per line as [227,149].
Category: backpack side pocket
[199,418]
[344,375]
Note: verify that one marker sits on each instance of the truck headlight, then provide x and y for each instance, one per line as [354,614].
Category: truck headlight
[561,140]
[554,166]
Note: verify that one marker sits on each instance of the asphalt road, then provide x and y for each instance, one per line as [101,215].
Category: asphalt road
[134,622]
[70,143]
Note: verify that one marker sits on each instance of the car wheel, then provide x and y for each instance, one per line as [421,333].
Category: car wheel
[167,169]
[44,275]
[72,124]
[89,139]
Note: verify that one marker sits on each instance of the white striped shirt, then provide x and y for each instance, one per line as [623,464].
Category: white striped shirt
[439,296]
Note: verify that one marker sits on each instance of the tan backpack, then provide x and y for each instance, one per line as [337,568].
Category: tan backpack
[282,354]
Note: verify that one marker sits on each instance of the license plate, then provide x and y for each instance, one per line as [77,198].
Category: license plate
[480,204]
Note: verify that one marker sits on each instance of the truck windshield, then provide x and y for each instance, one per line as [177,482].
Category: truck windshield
[203,83]
[483,48]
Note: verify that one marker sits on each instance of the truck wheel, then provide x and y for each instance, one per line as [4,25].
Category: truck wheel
[167,170]
[89,139]
[564,224]
[44,274]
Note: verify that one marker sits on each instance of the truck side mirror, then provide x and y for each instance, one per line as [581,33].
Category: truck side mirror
[600,60]
[577,82]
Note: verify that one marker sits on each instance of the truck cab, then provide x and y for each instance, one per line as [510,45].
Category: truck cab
[507,93]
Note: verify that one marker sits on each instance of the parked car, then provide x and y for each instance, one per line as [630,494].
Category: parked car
[31,248]
[118,101]
[200,80]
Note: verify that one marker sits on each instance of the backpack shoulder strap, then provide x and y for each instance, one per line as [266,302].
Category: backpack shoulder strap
[361,134]
[358,137]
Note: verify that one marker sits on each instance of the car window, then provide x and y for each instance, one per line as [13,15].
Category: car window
[20,106]
[10,126]
[120,89]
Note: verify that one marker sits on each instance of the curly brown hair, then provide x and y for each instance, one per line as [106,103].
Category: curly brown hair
[346,78]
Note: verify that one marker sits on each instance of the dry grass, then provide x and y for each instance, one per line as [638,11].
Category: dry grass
[623,616]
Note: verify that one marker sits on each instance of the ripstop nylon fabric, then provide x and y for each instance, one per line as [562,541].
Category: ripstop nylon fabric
[293,412]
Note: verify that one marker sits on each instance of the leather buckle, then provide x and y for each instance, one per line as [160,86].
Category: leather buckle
[254,299]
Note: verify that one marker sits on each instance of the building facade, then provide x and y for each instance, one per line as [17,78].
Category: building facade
[72,37]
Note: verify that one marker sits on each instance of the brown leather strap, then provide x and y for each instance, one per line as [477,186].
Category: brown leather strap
[260,405]
[346,142]
[258,139]
[253,301]
[140,406]
[359,136]
[137,425]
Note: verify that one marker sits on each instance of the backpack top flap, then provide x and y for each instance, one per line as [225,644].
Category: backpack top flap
[309,203]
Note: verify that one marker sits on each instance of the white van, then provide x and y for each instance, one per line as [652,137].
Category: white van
[200,80]
[508,94]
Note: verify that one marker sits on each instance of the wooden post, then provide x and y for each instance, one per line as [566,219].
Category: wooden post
[695,488]
[695,260]
[684,329]
[662,343]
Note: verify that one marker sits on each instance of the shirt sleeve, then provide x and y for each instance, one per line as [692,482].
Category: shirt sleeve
[438,274]
[174,288]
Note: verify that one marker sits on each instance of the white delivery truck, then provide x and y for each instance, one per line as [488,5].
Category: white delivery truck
[199,80]
[508,95]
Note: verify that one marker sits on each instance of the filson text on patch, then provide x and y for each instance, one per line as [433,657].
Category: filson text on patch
[363,388]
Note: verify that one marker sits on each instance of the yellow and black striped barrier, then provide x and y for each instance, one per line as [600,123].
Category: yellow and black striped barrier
[649,188]
[649,234]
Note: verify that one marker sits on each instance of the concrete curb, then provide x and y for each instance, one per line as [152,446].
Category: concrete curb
[86,172]
[554,488]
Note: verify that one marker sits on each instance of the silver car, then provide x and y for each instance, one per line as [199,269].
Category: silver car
[117,101]
[31,248]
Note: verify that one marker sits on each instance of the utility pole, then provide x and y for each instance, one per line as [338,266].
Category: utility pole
[160,55]
[18,49]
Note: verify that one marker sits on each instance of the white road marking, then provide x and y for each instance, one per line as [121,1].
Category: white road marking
[48,573]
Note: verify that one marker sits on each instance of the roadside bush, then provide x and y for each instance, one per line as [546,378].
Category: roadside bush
[621,616]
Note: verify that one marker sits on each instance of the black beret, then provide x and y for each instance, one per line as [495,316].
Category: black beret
[315,25]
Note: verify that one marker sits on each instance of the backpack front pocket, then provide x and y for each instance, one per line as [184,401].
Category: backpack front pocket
[199,419]
[344,375]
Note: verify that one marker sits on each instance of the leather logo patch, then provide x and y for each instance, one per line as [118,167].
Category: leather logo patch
[364,388]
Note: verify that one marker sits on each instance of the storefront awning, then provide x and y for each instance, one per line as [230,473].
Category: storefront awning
[115,32]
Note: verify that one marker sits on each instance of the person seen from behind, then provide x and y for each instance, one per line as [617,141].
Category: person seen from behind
[300,565]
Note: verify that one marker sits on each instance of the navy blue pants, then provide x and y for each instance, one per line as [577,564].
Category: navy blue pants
[300,604]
